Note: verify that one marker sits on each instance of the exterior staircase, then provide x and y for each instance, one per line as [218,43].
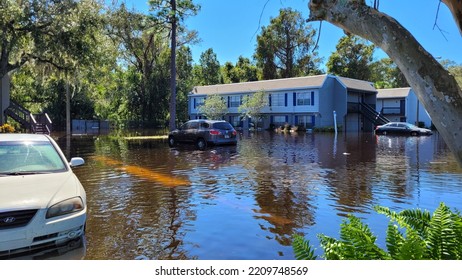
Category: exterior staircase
[34,123]
[371,114]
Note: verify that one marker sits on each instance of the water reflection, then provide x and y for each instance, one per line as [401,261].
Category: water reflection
[246,201]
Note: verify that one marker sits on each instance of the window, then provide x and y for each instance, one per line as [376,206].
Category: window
[278,99]
[234,101]
[279,120]
[303,98]
[306,121]
[199,101]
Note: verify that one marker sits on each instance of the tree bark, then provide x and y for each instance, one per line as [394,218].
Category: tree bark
[436,89]
[172,123]
[455,6]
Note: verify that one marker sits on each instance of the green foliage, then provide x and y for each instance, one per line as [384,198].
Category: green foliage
[285,47]
[208,70]
[57,33]
[243,71]
[352,58]
[411,235]
[253,104]
[385,74]
[302,249]
[214,107]
[454,68]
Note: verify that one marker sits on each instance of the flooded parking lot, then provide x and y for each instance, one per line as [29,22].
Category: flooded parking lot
[146,200]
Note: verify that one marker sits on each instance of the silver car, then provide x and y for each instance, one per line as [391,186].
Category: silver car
[402,128]
[203,133]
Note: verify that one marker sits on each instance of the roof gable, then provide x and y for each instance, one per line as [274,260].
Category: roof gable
[357,84]
[393,93]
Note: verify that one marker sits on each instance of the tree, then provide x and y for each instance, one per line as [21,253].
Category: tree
[284,48]
[185,81]
[56,33]
[436,89]
[453,68]
[214,107]
[243,71]
[208,70]
[252,106]
[173,13]
[385,74]
[141,43]
[351,59]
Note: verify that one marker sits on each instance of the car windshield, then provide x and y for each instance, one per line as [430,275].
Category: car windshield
[22,158]
[222,126]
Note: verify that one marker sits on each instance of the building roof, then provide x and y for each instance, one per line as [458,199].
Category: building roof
[393,93]
[357,84]
[281,84]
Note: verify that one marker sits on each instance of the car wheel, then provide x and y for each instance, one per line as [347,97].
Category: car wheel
[171,141]
[413,133]
[201,144]
[384,132]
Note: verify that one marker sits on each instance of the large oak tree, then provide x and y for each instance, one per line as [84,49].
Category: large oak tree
[435,87]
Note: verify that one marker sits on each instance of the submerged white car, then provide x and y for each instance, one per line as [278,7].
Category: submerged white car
[42,203]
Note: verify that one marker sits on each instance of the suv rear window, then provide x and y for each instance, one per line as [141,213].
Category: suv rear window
[223,126]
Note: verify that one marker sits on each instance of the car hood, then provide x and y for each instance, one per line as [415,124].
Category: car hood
[37,191]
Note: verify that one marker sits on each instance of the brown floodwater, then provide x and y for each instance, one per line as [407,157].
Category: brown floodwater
[147,201]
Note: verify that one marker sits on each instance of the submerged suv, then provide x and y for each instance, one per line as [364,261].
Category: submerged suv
[203,133]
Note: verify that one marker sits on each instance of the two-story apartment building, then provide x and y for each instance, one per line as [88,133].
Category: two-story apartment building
[305,101]
[401,104]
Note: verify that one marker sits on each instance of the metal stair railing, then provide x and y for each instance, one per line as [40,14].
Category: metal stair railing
[372,115]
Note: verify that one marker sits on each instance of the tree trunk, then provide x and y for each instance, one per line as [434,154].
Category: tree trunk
[436,89]
[172,123]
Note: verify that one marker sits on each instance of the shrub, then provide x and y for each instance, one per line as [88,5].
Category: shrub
[411,235]
[6,128]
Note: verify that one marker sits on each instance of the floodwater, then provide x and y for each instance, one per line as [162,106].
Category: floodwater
[147,201]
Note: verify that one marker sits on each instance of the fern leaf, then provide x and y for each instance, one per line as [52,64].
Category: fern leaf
[302,248]
[394,240]
[442,239]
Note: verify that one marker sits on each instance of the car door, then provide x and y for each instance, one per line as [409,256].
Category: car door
[183,132]
[190,133]
[402,129]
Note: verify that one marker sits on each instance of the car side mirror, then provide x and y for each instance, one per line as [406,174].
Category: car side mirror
[76,161]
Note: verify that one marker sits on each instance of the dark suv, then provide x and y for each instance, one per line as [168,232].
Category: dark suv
[203,133]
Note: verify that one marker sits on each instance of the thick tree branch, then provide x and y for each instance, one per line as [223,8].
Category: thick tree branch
[435,87]
[455,6]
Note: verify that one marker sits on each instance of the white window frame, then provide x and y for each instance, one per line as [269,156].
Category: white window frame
[303,98]
[278,99]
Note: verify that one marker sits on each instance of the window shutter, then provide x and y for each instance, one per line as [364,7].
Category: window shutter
[194,103]
[285,99]
[287,118]
[229,100]
[312,98]
[295,99]
[271,119]
[296,120]
[313,120]
[269,99]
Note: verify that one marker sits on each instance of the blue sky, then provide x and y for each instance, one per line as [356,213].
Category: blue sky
[230,27]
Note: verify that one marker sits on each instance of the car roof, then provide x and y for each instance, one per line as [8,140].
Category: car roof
[23,137]
[209,121]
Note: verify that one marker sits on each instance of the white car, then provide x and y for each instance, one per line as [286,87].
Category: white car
[42,203]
